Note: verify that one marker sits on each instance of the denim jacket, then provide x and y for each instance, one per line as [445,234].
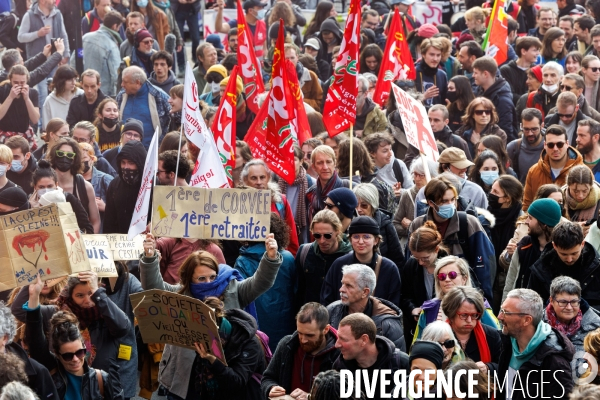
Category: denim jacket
[100,182]
[101,52]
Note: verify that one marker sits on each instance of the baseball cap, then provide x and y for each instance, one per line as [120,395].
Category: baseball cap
[314,43]
[456,157]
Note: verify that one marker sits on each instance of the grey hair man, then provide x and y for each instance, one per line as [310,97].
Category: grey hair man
[532,351]
[368,115]
[358,285]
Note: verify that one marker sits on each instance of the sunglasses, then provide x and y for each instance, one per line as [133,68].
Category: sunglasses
[465,316]
[482,112]
[560,145]
[565,115]
[595,69]
[69,356]
[68,154]
[450,343]
[452,275]
[329,206]
[320,235]
[565,87]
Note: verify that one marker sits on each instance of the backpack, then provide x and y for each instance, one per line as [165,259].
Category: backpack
[264,343]
[398,172]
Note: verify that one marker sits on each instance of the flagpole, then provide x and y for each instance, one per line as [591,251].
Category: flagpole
[351,145]
[178,154]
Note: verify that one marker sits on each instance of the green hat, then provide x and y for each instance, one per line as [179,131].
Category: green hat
[547,211]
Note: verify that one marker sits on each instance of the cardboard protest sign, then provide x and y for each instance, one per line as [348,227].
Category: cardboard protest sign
[230,214]
[43,240]
[100,255]
[416,124]
[171,318]
[121,247]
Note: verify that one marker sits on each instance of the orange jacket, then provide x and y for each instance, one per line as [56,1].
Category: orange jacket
[540,174]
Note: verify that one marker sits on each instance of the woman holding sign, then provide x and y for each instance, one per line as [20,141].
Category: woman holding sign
[201,276]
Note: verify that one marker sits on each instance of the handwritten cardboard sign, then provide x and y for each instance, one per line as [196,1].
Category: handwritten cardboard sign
[121,247]
[43,240]
[100,255]
[172,318]
[229,214]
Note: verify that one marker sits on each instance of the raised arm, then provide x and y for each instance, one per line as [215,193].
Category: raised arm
[150,268]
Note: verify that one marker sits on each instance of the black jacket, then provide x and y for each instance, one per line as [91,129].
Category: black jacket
[500,94]
[516,78]
[39,379]
[280,369]
[551,357]
[552,119]
[90,390]
[586,270]
[388,357]
[386,315]
[390,246]
[79,110]
[39,67]
[494,344]
[388,285]
[121,197]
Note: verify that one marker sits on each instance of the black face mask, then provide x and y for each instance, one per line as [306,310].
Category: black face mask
[110,122]
[86,166]
[493,201]
[451,96]
[130,176]
[63,164]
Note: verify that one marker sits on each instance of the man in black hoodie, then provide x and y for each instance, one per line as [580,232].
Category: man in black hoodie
[515,72]
[300,357]
[123,190]
[361,349]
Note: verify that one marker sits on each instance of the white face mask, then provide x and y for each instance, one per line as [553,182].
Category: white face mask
[550,89]
[215,88]
[42,192]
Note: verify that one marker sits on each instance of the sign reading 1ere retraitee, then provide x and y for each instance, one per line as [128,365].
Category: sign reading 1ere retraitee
[229,214]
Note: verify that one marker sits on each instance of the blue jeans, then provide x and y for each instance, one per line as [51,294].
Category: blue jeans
[191,18]
[42,89]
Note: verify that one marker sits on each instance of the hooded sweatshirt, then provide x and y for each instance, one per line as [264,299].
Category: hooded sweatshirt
[122,196]
[166,85]
[307,366]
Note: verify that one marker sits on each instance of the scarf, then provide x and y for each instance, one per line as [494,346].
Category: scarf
[504,229]
[584,210]
[217,287]
[427,70]
[519,358]
[302,184]
[317,198]
[482,345]
[114,34]
[161,5]
[86,316]
[568,329]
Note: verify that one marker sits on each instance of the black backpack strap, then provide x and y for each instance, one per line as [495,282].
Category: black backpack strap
[304,249]
[462,234]
[515,160]
[80,192]
[398,172]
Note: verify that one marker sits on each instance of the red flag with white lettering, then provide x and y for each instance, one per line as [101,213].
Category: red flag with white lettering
[300,119]
[340,105]
[248,62]
[397,62]
[223,127]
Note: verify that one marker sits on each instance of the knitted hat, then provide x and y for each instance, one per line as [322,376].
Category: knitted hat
[537,71]
[239,84]
[547,211]
[345,200]
[141,35]
[13,197]
[426,350]
[364,225]
[427,31]
[133,124]
[217,68]
[215,40]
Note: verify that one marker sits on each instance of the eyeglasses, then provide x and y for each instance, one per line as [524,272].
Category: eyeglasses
[560,145]
[508,313]
[329,206]
[532,130]
[69,154]
[69,356]
[132,135]
[147,42]
[565,115]
[320,235]
[565,87]
[365,238]
[564,303]
[481,112]
[422,260]
[201,279]
[452,275]
[466,316]
[364,206]
[417,175]
[81,140]
[450,343]
[594,69]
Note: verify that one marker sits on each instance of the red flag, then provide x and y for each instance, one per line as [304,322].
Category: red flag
[495,43]
[397,62]
[340,105]
[223,127]
[300,121]
[249,64]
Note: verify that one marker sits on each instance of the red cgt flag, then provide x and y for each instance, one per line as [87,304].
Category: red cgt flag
[249,64]
[340,105]
[223,127]
[300,120]
[397,61]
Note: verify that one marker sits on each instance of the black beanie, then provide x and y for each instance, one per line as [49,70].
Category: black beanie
[13,197]
[133,124]
[427,350]
[364,225]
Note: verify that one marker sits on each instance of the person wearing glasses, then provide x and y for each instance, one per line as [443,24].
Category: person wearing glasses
[65,158]
[569,256]
[132,130]
[479,120]
[450,271]
[83,364]
[343,202]
[569,313]
[525,151]
[554,164]
[530,347]
[56,128]
[84,132]
[464,307]
[441,332]
[575,84]
[365,237]
[567,115]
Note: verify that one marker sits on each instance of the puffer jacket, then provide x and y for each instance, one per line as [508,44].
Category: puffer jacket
[386,315]
[501,95]
[174,372]
[280,369]
[39,349]
[540,174]
[375,121]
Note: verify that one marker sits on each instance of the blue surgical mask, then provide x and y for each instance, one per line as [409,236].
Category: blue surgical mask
[261,14]
[142,3]
[446,211]
[488,177]
[3,169]
[16,166]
